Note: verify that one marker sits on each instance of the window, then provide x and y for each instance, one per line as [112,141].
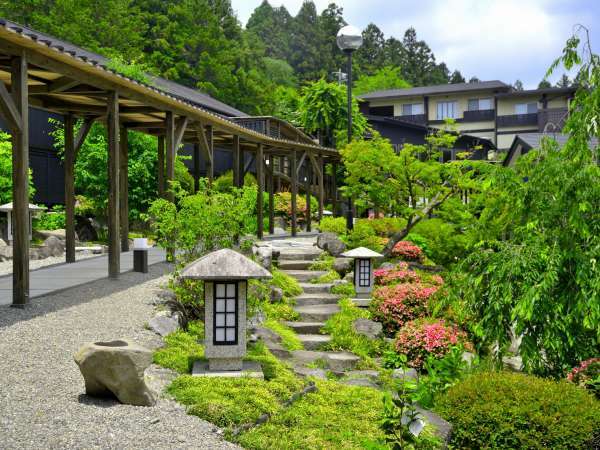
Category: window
[364,272]
[446,110]
[525,108]
[412,109]
[480,104]
[225,314]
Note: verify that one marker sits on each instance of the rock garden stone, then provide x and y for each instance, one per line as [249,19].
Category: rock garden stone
[3,243]
[281,223]
[276,294]
[341,361]
[321,374]
[264,255]
[44,234]
[85,230]
[55,246]
[278,350]
[387,265]
[364,382]
[342,265]
[349,278]
[331,243]
[468,357]
[443,429]
[368,328]
[267,335]
[164,323]
[409,374]
[116,367]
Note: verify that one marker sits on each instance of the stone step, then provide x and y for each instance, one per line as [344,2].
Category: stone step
[305,327]
[314,341]
[304,275]
[316,299]
[306,254]
[337,362]
[316,313]
[295,264]
[362,302]
[314,288]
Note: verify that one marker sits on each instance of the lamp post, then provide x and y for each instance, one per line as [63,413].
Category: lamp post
[349,39]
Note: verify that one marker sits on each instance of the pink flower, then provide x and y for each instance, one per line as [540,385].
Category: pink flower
[407,250]
[586,371]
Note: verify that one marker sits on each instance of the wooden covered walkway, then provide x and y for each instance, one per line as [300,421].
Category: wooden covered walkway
[40,71]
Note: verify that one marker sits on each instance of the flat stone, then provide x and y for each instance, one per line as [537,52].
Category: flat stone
[305,327]
[266,334]
[362,302]
[341,361]
[443,428]
[304,275]
[409,374]
[309,254]
[251,369]
[163,323]
[306,372]
[364,382]
[43,234]
[314,288]
[303,357]
[295,264]
[308,299]
[362,374]
[368,328]
[278,350]
[314,341]
[316,313]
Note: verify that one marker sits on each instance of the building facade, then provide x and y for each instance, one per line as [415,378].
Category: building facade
[491,110]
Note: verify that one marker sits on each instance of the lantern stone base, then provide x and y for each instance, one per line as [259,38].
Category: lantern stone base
[250,369]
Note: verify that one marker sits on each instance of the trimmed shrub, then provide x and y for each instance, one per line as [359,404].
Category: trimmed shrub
[364,235]
[505,410]
[335,225]
[398,274]
[50,221]
[398,304]
[587,375]
[407,251]
[420,338]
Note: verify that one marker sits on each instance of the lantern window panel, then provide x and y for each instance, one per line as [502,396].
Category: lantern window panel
[225,314]
[364,272]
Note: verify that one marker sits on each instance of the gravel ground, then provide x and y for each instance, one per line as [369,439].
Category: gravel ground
[42,396]
[6,266]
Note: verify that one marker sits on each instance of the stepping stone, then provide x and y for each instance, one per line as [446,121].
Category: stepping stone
[317,299]
[362,302]
[295,264]
[314,288]
[373,374]
[305,275]
[305,327]
[341,361]
[278,350]
[305,357]
[364,382]
[316,313]
[314,341]
[321,374]
[298,254]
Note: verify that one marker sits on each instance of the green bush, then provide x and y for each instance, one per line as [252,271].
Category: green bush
[328,277]
[289,339]
[323,262]
[335,225]
[289,285]
[346,290]
[443,242]
[6,170]
[50,221]
[364,235]
[224,183]
[515,411]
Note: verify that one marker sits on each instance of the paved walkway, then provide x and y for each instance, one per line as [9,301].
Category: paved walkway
[56,278]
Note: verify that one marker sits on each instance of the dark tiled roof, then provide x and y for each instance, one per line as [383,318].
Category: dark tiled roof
[551,90]
[438,89]
[177,90]
[533,140]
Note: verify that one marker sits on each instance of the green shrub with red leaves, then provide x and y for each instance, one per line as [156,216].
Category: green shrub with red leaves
[587,375]
[407,251]
[419,339]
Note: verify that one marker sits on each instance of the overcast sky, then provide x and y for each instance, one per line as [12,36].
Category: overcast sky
[502,39]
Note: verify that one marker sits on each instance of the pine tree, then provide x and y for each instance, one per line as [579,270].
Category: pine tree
[518,86]
[271,27]
[544,84]
[457,77]
[564,81]
[370,57]
[418,61]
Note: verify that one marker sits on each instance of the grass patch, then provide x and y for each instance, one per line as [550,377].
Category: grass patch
[289,285]
[230,402]
[343,336]
[346,290]
[328,277]
[323,262]
[182,349]
[336,416]
[289,339]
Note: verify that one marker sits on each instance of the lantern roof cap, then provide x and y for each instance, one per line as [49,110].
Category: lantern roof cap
[362,252]
[224,264]
[9,207]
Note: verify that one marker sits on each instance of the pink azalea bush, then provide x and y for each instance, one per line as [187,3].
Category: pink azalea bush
[398,304]
[407,251]
[419,339]
[398,274]
[587,375]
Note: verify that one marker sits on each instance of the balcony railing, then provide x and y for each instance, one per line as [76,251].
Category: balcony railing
[518,120]
[419,119]
[260,125]
[480,115]
[552,119]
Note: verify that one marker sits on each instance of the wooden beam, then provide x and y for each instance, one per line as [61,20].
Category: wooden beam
[259,196]
[171,151]
[294,189]
[248,164]
[113,186]
[20,180]
[210,169]
[334,193]
[69,168]
[56,86]
[161,166]
[238,163]
[206,147]
[307,184]
[9,110]
[302,158]
[196,159]
[84,130]
[124,189]
[180,131]
[320,187]
[270,189]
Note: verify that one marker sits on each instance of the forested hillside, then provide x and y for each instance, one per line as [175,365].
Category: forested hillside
[200,43]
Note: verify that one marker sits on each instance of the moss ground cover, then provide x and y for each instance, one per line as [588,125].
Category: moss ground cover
[182,349]
[289,338]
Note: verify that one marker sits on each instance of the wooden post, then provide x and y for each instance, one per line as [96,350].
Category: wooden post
[196,167]
[271,188]
[334,192]
[170,153]
[124,189]
[294,189]
[20,179]
[210,161]
[321,187]
[69,167]
[259,197]
[238,163]
[112,119]
[161,166]
[307,187]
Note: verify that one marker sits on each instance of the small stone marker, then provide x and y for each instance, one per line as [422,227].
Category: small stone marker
[225,274]
[363,268]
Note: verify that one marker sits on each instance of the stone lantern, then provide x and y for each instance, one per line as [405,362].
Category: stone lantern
[225,274]
[363,268]
[8,209]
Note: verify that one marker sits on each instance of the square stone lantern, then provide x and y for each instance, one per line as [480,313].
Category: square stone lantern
[225,274]
[363,268]
[8,209]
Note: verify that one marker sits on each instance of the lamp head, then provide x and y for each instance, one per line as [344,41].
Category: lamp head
[349,38]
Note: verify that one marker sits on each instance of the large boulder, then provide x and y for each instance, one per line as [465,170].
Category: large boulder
[85,230]
[117,368]
[164,323]
[342,265]
[331,243]
[264,256]
[43,234]
[368,328]
[54,246]
[6,253]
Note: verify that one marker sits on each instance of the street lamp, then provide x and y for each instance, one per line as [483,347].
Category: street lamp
[349,38]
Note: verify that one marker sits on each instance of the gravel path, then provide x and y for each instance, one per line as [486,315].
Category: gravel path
[42,397]
[7,266]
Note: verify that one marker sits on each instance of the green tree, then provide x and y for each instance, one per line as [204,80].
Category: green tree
[6,170]
[385,78]
[544,84]
[457,77]
[418,61]
[271,26]
[370,57]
